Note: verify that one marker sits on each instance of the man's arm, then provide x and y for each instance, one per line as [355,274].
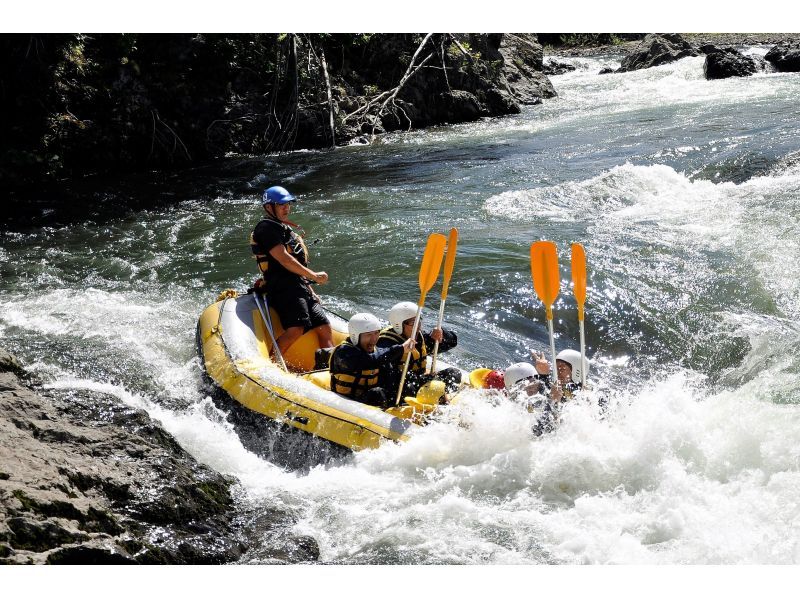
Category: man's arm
[447,339]
[285,259]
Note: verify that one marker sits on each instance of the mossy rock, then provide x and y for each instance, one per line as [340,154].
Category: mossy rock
[40,536]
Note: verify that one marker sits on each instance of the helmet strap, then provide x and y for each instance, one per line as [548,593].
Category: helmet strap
[272,216]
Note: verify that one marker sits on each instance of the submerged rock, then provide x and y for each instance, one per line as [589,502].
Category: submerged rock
[722,63]
[656,49]
[85,479]
[785,57]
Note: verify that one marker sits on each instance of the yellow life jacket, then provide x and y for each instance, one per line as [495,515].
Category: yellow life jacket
[419,356]
[352,386]
[295,247]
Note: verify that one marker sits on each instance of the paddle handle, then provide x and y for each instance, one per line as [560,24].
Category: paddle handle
[583,356]
[436,344]
[552,348]
[408,357]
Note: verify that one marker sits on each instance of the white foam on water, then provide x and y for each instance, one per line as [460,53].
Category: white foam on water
[587,99]
[630,195]
[672,474]
[630,206]
[133,320]
[669,476]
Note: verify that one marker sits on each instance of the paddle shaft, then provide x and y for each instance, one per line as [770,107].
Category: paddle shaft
[583,356]
[579,287]
[552,348]
[268,326]
[449,262]
[408,357]
[436,344]
[428,273]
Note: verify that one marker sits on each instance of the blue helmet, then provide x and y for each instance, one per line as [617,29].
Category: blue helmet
[277,195]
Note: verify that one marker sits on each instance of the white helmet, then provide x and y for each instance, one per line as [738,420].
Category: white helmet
[361,323]
[516,372]
[405,310]
[573,358]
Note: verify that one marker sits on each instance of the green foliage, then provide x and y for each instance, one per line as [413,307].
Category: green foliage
[580,39]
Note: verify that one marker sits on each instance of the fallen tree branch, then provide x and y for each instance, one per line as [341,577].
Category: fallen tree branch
[397,89]
[460,47]
[175,138]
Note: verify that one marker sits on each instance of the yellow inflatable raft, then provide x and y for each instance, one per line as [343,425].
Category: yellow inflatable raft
[234,344]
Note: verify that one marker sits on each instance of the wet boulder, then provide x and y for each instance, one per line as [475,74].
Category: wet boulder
[87,479]
[785,57]
[657,49]
[554,67]
[461,106]
[722,63]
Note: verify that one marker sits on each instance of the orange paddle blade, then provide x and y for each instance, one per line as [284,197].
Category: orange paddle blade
[544,269]
[449,260]
[579,276]
[431,263]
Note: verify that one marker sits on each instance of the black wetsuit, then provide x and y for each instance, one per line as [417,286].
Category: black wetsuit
[287,292]
[391,373]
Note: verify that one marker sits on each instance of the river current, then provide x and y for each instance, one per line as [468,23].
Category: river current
[686,196]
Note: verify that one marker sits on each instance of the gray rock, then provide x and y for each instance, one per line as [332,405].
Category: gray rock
[785,57]
[87,479]
[722,63]
[523,69]
[657,49]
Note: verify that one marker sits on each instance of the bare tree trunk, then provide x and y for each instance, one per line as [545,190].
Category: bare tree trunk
[330,96]
[296,94]
[444,65]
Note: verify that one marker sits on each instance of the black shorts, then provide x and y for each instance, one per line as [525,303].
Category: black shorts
[298,308]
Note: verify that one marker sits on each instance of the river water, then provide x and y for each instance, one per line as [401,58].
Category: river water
[686,196]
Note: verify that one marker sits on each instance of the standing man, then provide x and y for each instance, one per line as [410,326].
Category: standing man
[282,257]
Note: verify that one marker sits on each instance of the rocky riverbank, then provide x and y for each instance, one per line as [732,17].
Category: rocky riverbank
[85,479]
[722,58]
[626,46]
[111,103]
